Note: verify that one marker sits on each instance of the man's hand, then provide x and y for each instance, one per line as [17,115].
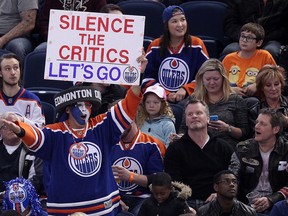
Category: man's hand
[261,204]
[171,97]
[11,125]
[239,91]
[250,90]
[143,60]
[212,197]
[180,94]
[120,173]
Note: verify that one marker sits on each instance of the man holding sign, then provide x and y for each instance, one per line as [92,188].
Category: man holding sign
[78,150]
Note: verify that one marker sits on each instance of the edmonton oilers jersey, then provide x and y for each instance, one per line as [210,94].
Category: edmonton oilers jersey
[24,103]
[81,178]
[175,69]
[143,156]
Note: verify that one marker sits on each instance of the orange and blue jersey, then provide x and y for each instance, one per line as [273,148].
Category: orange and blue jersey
[81,179]
[144,155]
[176,69]
[24,103]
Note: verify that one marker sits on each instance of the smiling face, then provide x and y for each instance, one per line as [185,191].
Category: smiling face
[213,81]
[177,26]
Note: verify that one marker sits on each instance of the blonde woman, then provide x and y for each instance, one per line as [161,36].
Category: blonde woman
[213,87]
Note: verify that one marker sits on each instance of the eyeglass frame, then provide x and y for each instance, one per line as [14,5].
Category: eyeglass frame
[247,38]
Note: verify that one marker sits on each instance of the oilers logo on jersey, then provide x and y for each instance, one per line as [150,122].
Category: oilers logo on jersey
[133,166]
[173,73]
[85,158]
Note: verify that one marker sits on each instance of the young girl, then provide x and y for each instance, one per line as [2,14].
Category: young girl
[155,116]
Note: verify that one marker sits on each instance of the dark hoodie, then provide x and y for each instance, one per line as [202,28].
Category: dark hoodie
[175,204]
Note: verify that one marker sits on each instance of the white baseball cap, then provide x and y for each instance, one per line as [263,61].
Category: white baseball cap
[158,90]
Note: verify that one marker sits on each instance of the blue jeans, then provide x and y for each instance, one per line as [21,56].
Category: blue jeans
[42,46]
[20,46]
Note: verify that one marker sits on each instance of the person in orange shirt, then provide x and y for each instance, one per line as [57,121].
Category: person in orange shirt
[243,66]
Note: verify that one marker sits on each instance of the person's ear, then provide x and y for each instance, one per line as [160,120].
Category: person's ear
[259,43]
[276,129]
[215,186]
[67,109]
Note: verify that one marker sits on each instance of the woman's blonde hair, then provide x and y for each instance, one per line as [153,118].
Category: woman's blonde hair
[142,114]
[211,65]
[268,72]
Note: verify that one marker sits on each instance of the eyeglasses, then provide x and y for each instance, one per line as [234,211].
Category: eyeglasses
[247,38]
[228,181]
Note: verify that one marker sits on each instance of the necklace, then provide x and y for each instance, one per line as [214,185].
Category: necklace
[176,47]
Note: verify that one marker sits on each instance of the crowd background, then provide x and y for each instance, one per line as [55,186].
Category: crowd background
[249,39]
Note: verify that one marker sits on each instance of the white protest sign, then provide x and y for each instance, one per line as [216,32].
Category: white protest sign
[94,47]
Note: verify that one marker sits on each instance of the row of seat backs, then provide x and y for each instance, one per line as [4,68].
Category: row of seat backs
[202,17]
[205,19]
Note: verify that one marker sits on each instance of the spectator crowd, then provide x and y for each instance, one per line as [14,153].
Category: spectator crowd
[198,135]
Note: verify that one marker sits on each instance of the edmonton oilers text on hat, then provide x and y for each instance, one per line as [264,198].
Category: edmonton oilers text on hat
[80,94]
[173,73]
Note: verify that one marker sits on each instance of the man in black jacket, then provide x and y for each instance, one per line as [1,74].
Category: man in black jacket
[264,162]
[226,187]
[197,156]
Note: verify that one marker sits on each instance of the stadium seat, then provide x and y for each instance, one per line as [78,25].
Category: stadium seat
[146,42]
[49,112]
[3,51]
[152,10]
[33,74]
[206,20]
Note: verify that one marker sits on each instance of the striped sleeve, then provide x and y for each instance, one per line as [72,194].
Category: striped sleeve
[33,137]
